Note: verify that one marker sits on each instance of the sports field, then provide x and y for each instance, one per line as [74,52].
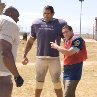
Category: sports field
[87,87]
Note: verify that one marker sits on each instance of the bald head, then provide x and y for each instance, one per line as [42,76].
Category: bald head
[11,12]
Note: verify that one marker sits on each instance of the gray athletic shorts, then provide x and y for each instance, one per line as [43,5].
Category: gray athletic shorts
[45,64]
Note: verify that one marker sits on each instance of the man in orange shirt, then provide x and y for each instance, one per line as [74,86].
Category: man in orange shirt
[75,53]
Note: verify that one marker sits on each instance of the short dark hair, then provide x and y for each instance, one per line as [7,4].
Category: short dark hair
[10,9]
[69,27]
[48,7]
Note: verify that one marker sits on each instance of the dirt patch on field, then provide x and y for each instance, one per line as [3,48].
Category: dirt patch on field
[86,87]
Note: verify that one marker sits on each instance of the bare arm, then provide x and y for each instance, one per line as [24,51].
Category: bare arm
[27,49]
[28,46]
[7,57]
[67,52]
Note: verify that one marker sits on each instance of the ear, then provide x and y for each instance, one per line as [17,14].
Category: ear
[52,14]
[10,14]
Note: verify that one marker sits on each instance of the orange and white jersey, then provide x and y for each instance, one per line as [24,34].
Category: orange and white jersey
[78,44]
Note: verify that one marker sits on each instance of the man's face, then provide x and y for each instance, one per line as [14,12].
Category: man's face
[15,16]
[67,33]
[12,12]
[47,15]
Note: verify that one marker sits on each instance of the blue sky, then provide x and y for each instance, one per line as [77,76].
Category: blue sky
[68,10]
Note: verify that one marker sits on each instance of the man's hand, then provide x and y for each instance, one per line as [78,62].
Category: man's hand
[25,60]
[19,81]
[54,45]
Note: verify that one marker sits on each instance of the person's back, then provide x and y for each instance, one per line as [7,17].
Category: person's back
[9,40]
[9,31]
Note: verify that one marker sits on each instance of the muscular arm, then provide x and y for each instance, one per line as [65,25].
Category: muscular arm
[28,46]
[7,57]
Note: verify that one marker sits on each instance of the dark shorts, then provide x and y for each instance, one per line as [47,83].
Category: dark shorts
[73,72]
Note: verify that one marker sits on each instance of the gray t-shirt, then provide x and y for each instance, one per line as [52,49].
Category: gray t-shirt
[9,31]
[46,32]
